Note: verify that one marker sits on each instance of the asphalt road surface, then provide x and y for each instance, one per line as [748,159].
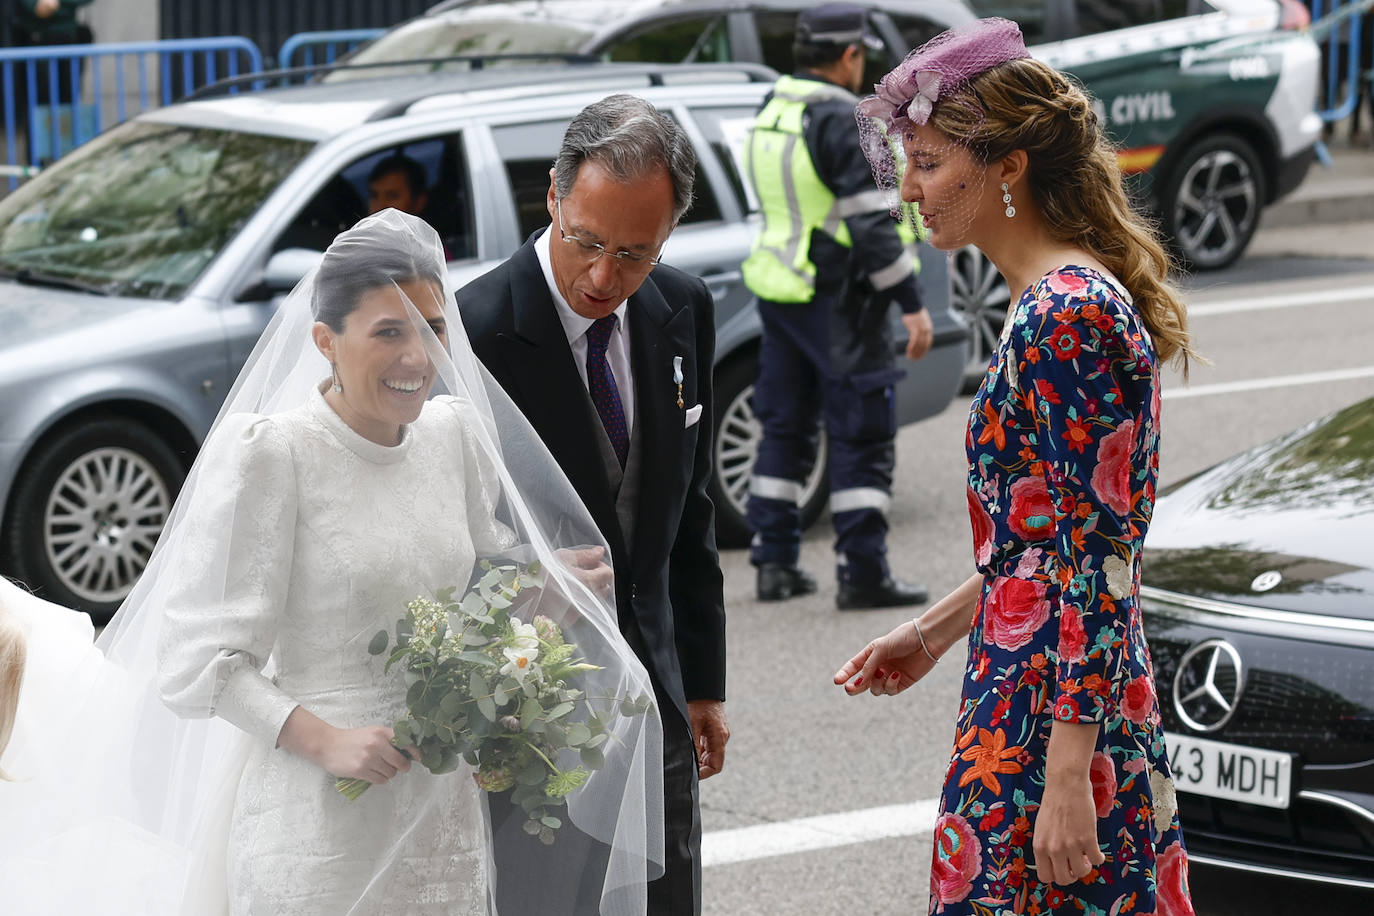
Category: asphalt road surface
[826,801]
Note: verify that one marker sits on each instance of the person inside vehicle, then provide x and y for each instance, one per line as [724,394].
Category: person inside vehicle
[397,181]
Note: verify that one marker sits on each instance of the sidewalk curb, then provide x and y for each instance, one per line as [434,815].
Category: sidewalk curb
[1342,192]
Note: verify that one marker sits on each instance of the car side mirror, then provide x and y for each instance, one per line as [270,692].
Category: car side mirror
[288,267]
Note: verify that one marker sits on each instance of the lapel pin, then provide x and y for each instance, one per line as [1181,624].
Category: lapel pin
[677,378]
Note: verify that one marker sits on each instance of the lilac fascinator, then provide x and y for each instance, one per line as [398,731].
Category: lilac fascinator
[928,75]
[942,65]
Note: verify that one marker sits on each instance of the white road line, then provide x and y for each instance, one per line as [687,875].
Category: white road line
[825,831]
[1277,381]
[1318,297]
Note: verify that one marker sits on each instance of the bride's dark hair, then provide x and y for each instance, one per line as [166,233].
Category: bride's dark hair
[355,264]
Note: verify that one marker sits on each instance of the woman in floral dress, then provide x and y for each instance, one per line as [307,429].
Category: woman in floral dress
[1058,798]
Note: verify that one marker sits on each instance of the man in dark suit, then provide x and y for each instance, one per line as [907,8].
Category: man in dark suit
[609,354]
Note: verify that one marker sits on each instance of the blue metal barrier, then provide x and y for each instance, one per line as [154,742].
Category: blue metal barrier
[329,44]
[59,124]
[1337,23]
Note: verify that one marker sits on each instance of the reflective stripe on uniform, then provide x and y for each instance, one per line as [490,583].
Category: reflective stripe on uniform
[860,498]
[894,273]
[788,491]
[863,202]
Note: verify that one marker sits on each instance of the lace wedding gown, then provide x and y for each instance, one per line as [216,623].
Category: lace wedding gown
[330,536]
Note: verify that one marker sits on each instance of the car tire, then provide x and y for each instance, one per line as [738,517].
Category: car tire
[735,444]
[87,509]
[1212,200]
[979,294]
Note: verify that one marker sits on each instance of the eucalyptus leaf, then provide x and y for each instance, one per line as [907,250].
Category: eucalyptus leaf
[451,704]
[578,734]
[487,708]
[478,658]
[551,822]
[592,758]
[562,709]
[379,643]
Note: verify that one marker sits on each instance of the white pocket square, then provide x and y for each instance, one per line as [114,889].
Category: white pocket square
[692,415]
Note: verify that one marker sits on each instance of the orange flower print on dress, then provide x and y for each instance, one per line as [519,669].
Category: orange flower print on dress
[990,757]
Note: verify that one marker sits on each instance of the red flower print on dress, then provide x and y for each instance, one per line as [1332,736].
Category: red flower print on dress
[1015,611]
[1032,512]
[983,530]
[1138,699]
[1171,877]
[1113,472]
[1073,641]
[1102,772]
[1078,434]
[1066,343]
[957,858]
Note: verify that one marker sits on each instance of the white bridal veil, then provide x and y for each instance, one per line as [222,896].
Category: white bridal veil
[127,807]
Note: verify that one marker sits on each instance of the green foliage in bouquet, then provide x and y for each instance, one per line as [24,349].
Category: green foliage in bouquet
[500,694]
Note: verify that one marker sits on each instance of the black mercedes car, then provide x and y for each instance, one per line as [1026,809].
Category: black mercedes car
[1259,604]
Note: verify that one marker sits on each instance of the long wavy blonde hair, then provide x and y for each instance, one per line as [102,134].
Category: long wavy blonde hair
[13,653]
[1074,179]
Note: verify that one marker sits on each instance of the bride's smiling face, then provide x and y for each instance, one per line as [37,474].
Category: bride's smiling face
[380,358]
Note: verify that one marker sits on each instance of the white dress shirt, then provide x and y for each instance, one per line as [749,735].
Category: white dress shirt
[576,327]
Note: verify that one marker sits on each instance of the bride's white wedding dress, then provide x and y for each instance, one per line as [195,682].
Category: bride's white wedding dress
[330,536]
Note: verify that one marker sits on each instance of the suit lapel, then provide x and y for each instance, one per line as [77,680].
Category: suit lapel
[657,334]
[551,393]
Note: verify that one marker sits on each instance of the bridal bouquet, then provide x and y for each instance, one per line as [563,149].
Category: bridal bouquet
[503,695]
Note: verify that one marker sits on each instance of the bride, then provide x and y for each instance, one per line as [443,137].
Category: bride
[363,459]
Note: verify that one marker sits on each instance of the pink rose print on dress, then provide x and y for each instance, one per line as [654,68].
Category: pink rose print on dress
[1102,772]
[1112,474]
[1032,510]
[1073,641]
[1064,282]
[1171,876]
[1016,609]
[983,531]
[958,857]
[1138,699]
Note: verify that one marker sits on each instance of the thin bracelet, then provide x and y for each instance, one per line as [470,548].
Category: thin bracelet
[921,636]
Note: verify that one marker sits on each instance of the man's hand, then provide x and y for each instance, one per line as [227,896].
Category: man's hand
[45,8]
[710,731]
[921,333]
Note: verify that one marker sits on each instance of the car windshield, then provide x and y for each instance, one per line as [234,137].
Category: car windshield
[141,210]
[432,37]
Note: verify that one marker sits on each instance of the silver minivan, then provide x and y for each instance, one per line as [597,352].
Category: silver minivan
[137,273]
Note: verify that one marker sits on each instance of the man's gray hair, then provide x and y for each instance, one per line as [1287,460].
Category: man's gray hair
[629,138]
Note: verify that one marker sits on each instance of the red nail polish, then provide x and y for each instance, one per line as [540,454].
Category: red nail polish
[896,674]
[880,673]
[858,680]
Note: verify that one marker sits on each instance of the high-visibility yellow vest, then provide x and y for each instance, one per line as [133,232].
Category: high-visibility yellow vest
[792,198]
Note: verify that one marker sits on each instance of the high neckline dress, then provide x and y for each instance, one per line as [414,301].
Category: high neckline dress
[1063,451]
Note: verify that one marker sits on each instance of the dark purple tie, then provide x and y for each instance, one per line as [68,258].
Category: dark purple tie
[601,385]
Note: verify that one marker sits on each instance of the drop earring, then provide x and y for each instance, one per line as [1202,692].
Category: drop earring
[1006,199]
[334,378]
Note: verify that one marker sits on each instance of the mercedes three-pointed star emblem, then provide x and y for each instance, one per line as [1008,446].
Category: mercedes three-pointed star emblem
[1208,685]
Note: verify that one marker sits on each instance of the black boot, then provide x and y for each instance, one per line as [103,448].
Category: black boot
[889,592]
[777,582]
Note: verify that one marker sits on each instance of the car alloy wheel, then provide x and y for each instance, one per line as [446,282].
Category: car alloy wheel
[102,518]
[87,508]
[736,445]
[981,296]
[1212,208]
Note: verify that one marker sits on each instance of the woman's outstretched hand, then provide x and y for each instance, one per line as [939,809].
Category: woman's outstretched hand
[888,665]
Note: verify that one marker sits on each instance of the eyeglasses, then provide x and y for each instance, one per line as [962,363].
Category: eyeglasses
[592,250]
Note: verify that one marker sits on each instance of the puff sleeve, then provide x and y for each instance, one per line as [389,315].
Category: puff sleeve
[228,572]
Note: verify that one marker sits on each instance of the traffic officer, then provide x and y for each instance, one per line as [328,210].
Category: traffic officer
[826,267]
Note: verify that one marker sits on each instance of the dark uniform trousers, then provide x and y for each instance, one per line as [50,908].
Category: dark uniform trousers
[831,360]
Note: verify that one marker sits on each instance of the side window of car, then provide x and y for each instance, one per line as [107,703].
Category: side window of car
[915,31]
[699,39]
[528,152]
[726,128]
[427,178]
[1095,16]
[1030,15]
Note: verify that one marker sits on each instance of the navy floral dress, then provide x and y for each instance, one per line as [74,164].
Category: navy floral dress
[1063,455]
